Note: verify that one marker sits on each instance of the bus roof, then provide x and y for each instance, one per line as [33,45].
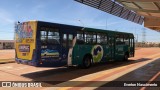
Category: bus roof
[80,27]
[102,30]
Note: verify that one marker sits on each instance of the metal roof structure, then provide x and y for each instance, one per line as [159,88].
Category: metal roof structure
[138,11]
[150,9]
[114,8]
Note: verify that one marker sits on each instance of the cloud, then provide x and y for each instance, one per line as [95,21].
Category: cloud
[5,17]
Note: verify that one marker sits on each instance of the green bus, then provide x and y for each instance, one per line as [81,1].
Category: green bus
[41,43]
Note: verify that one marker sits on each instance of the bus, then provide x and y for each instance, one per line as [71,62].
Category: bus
[45,44]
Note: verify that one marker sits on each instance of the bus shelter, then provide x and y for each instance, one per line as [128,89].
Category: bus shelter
[145,12]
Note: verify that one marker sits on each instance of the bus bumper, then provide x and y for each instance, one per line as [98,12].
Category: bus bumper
[53,63]
[27,62]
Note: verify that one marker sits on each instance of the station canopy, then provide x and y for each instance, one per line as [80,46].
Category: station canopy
[150,9]
[138,11]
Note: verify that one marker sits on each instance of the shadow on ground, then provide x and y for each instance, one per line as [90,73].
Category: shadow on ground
[141,75]
[65,74]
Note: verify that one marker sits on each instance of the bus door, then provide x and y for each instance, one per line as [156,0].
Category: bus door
[68,41]
[119,46]
[112,47]
[131,47]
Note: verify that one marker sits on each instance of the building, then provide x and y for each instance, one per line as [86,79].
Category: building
[6,44]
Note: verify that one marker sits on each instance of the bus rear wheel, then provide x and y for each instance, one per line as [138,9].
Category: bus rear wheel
[126,57]
[87,62]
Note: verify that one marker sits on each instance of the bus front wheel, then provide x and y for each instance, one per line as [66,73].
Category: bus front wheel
[87,62]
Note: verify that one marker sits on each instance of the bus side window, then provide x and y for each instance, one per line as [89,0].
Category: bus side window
[102,38]
[50,37]
[131,41]
[53,37]
[70,38]
[94,38]
[43,37]
[80,38]
[90,38]
[119,39]
[99,38]
[126,39]
[64,40]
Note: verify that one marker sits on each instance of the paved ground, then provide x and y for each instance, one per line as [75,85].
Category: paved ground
[143,67]
[7,56]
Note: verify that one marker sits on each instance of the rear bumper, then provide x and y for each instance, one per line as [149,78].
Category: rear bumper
[51,63]
[27,62]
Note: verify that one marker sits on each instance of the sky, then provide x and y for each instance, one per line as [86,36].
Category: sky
[65,12]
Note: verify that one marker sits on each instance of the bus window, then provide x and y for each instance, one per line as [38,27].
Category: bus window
[102,38]
[90,38]
[94,38]
[53,37]
[64,40]
[70,40]
[132,42]
[126,39]
[119,39]
[50,37]
[44,37]
[67,40]
[80,38]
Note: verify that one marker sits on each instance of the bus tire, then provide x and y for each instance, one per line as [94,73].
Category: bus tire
[87,62]
[126,56]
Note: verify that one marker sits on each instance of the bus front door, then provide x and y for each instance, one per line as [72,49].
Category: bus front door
[68,41]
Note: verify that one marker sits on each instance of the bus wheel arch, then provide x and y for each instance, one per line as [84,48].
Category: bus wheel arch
[87,61]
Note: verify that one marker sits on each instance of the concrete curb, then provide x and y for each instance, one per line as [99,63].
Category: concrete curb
[3,61]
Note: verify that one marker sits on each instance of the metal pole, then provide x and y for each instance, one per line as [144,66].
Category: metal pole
[106,22]
[82,24]
[137,38]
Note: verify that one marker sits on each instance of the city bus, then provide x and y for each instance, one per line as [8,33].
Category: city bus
[45,44]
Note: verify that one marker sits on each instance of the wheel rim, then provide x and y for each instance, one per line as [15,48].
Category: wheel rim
[87,62]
